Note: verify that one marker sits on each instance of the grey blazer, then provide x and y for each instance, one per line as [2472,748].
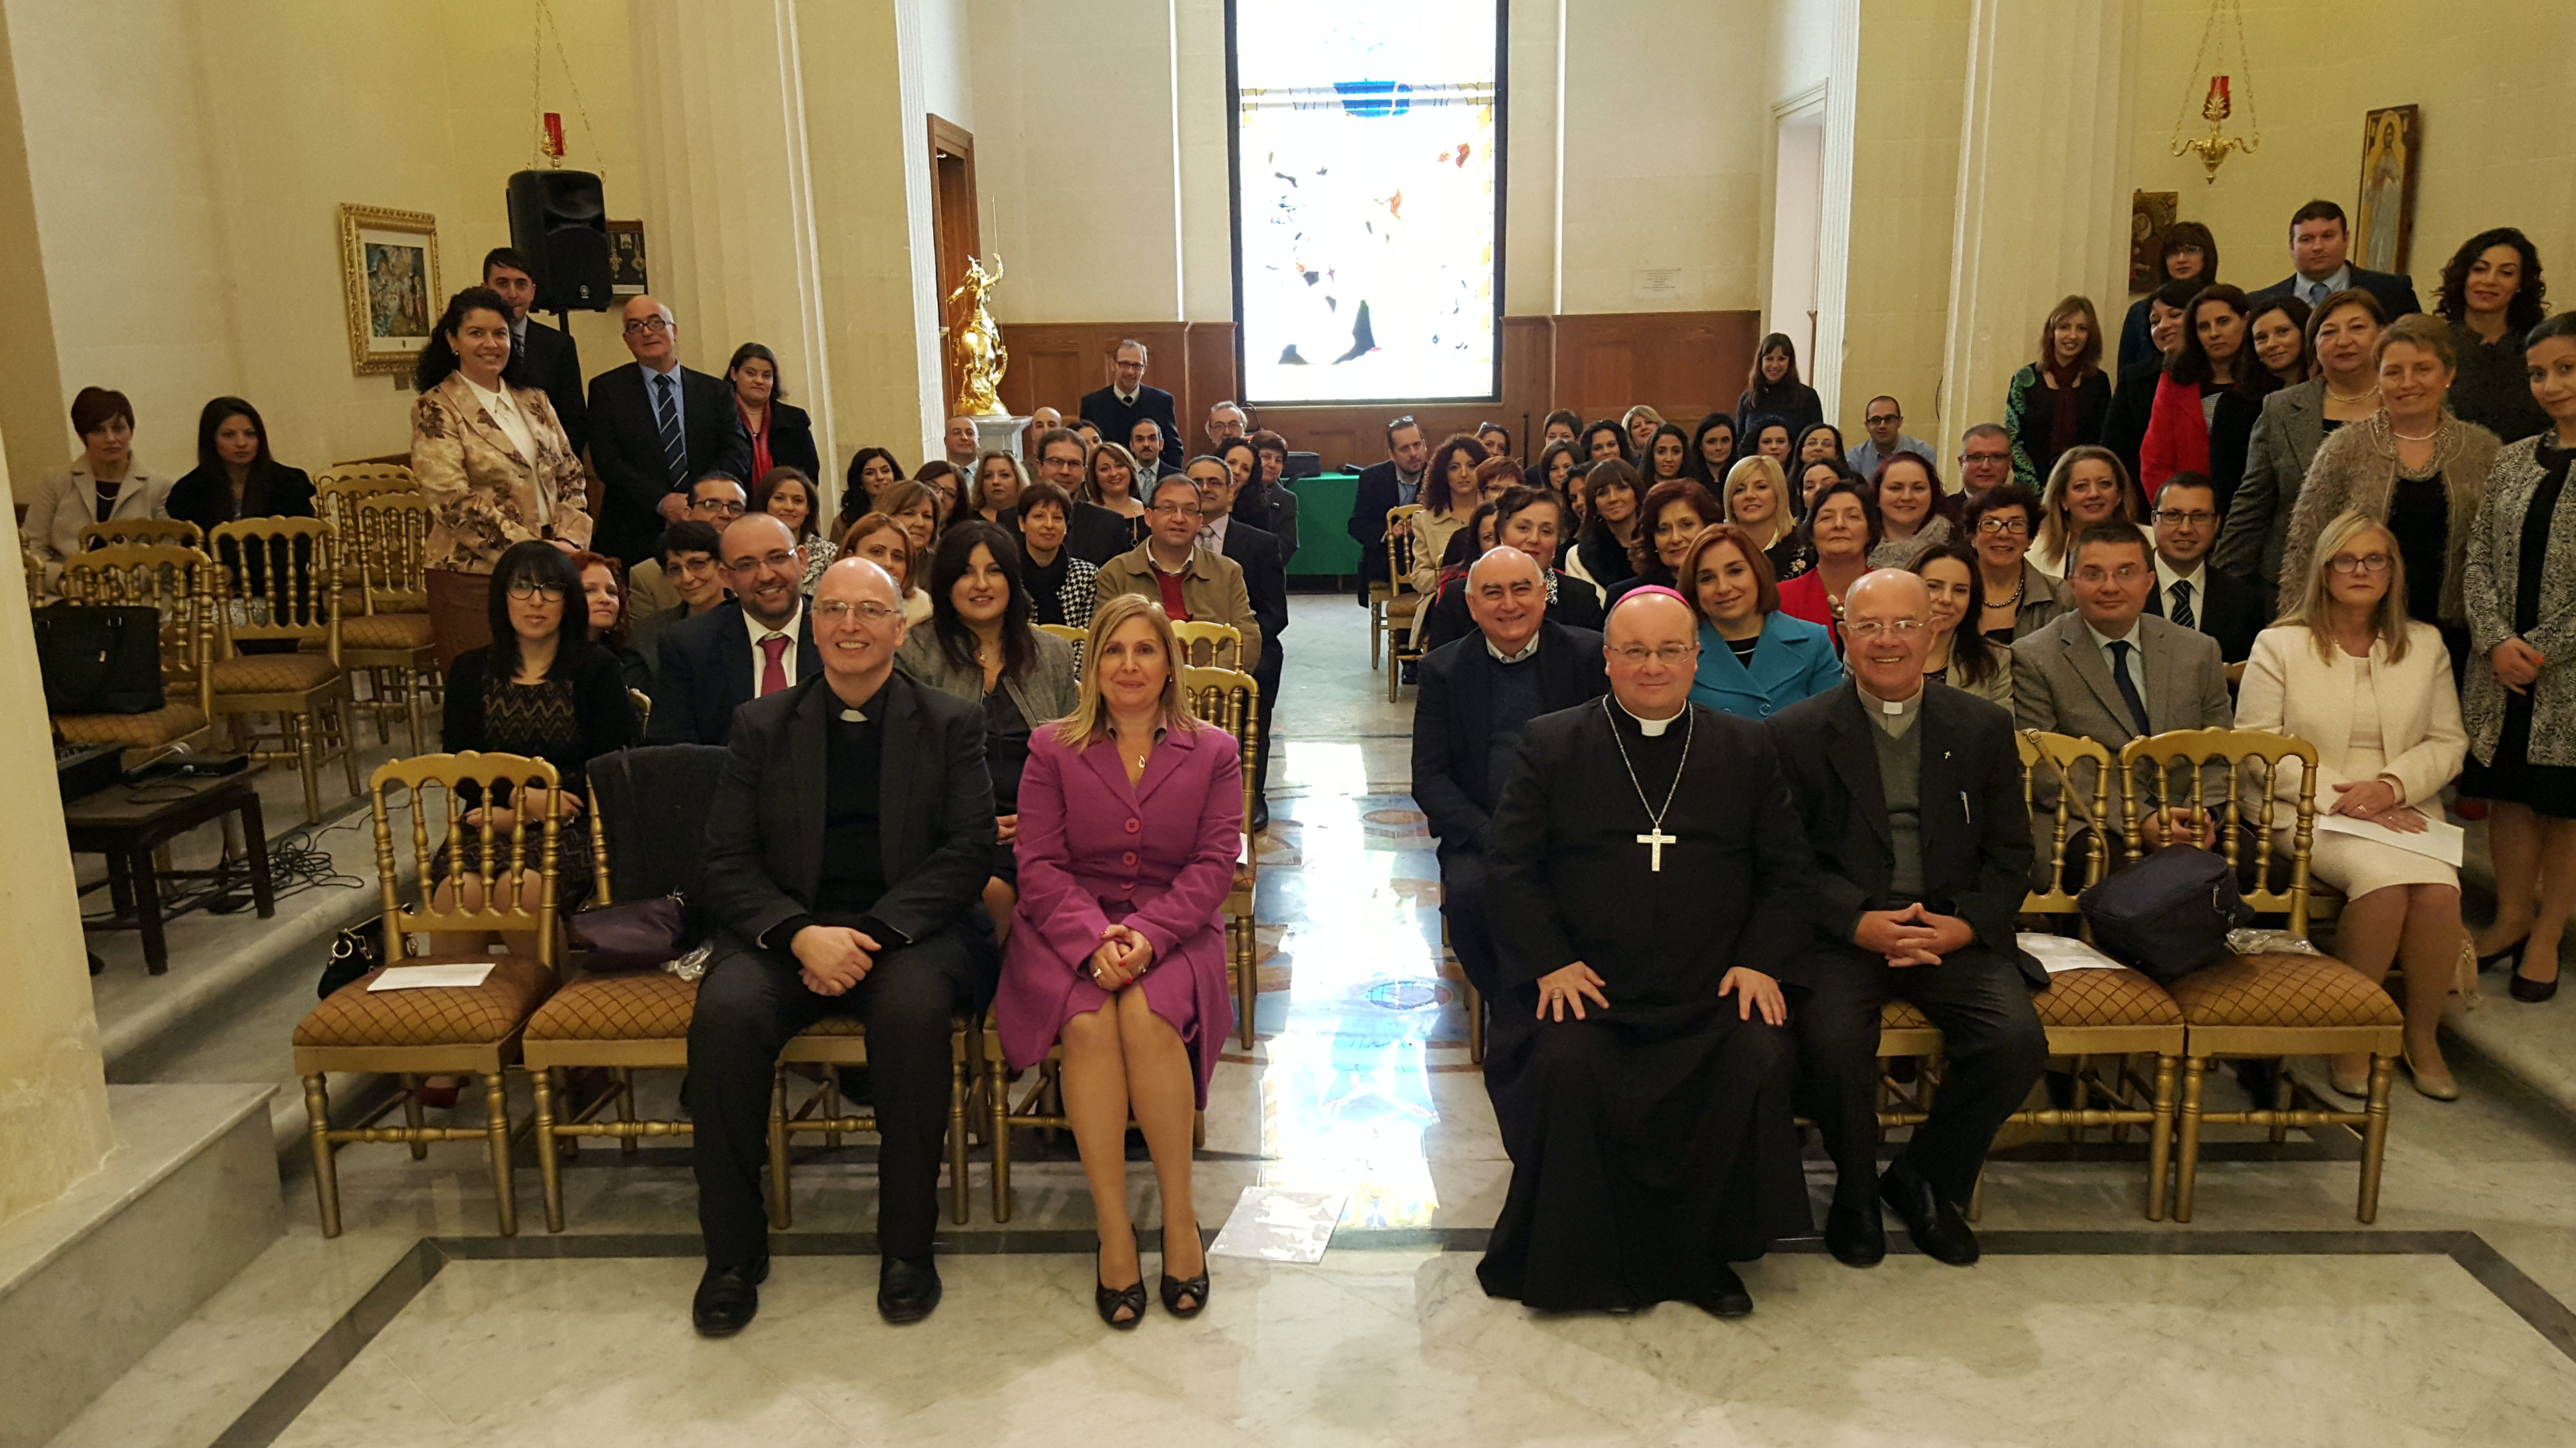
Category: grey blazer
[2491,577]
[2285,440]
[1047,691]
[2357,469]
[2062,684]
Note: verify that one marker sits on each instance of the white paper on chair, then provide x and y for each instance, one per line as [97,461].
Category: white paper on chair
[2063,952]
[2441,839]
[1273,1225]
[425,977]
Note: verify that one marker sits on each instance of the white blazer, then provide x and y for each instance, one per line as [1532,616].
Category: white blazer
[67,500]
[2289,690]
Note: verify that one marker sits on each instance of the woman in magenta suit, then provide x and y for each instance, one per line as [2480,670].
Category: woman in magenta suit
[1131,816]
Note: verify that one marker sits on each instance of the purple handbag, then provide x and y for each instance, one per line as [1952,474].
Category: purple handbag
[631,936]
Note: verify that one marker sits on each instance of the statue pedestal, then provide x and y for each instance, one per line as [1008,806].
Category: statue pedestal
[1000,433]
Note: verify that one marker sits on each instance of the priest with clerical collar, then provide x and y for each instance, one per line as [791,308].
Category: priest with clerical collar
[1647,882]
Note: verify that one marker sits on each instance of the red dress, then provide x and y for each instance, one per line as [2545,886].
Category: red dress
[1804,597]
[2177,438]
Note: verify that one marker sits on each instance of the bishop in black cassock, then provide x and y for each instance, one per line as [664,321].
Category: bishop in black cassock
[1647,881]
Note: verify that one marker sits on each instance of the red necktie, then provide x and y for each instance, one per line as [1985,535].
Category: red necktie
[773,668]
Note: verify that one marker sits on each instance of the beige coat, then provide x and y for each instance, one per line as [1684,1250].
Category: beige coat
[2289,689]
[1212,590]
[2356,469]
[65,502]
[485,495]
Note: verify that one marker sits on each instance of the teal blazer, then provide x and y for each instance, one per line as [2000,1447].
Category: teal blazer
[1794,660]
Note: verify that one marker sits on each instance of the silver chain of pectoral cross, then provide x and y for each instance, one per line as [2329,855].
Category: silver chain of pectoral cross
[1654,839]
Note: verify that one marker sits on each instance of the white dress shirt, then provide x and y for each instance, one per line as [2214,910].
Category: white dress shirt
[786,658]
[2137,654]
[2307,292]
[2198,578]
[504,411]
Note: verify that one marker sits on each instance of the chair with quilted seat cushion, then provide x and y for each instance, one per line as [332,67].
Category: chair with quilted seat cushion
[173,581]
[1394,610]
[1231,700]
[272,585]
[2278,1004]
[504,883]
[388,637]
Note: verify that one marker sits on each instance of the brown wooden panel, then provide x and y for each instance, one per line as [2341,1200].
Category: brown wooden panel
[1682,364]
[1211,378]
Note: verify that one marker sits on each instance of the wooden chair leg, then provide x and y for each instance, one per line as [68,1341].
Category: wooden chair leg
[957,1131]
[2194,1069]
[411,704]
[412,1117]
[1977,1196]
[326,1171]
[341,710]
[998,1092]
[300,731]
[496,1102]
[549,1166]
[1247,985]
[781,1213]
[2374,1136]
[627,1145]
[2160,1140]
[2280,1100]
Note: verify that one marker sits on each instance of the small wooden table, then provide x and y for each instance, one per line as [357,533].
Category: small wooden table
[128,822]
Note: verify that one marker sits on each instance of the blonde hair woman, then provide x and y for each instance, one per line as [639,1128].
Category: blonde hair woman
[883,540]
[2348,671]
[1757,500]
[2089,485]
[1131,813]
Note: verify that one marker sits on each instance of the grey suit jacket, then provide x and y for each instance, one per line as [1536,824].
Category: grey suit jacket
[2062,684]
[2285,440]
[1046,691]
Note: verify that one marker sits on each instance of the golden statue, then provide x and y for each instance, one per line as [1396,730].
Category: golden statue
[981,357]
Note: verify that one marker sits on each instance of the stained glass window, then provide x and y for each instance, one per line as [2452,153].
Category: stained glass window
[1368,215]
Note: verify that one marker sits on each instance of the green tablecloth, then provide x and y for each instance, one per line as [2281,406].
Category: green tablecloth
[1324,546]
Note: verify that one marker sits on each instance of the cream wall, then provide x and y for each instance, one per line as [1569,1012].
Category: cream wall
[2495,81]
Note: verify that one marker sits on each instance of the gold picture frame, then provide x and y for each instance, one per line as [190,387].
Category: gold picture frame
[389,285]
[2384,219]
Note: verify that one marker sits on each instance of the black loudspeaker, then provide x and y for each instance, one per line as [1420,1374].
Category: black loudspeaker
[559,222]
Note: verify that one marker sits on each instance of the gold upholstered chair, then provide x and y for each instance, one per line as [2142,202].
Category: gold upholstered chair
[1208,645]
[811,1064]
[472,879]
[1231,700]
[1382,596]
[388,638]
[2276,1004]
[272,580]
[172,581]
[1403,600]
[1068,633]
[166,532]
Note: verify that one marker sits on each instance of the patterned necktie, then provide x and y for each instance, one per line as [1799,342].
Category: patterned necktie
[2181,611]
[2128,689]
[773,666]
[675,449]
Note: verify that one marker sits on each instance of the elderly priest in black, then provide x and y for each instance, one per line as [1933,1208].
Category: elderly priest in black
[1910,795]
[1478,694]
[1647,885]
[847,849]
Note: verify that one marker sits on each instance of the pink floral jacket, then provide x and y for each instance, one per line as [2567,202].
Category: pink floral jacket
[485,496]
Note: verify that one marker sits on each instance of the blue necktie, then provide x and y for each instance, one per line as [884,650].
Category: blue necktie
[2128,690]
[675,449]
[2316,293]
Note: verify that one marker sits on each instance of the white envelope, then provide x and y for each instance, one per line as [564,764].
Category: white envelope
[426,977]
[2442,841]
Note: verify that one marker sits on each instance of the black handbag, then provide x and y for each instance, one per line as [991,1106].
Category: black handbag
[635,935]
[2167,914]
[353,954]
[99,660]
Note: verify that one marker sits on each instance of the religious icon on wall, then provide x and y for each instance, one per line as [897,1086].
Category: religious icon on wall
[389,285]
[2150,212]
[626,259]
[2384,222]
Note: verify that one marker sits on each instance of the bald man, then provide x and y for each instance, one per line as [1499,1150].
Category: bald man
[654,426]
[1478,694]
[759,643]
[1910,794]
[1647,886]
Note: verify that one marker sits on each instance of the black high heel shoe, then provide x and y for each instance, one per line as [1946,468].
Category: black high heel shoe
[1107,1300]
[2532,992]
[2510,957]
[1176,1288]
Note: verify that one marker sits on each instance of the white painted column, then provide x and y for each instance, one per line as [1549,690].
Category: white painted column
[2043,195]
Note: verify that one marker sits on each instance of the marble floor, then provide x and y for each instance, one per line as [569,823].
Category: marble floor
[2272,1319]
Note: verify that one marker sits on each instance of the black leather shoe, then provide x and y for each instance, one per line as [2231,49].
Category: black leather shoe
[1938,1230]
[907,1289]
[1728,1299]
[1856,1235]
[1260,815]
[728,1300]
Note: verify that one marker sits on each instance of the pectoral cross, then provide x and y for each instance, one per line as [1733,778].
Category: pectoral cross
[1654,842]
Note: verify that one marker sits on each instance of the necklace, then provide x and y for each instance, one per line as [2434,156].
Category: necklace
[2021,585]
[2411,437]
[1654,839]
[2351,397]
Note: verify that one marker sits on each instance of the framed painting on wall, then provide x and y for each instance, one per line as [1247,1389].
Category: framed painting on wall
[2150,212]
[389,283]
[626,259]
[2384,222]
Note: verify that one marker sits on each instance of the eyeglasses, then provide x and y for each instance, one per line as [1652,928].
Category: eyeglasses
[1890,419]
[2200,519]
[2127,573]
[727,507]
[1870,628]
[648,324]
[1985,457]
[1636,655]
[2018,527]
[834,610]
[771,560]
[2347,565]
[523,589]
[1171,509]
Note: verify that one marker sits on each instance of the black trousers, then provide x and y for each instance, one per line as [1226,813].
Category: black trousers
[1266,674]
[1990,1036]
[750,1004]
[1462,904]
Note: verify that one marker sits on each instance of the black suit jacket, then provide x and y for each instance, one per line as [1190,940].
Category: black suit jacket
[764,845]
[1265,577]
[2227,609]
[2396,293]
[704,674]
[1377,493]
[1575,606]
[1975,833]
[1117,420]
[1273,510]
[626,453]
[1096,534]
[1453,724]
[553,364]
[791,444]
